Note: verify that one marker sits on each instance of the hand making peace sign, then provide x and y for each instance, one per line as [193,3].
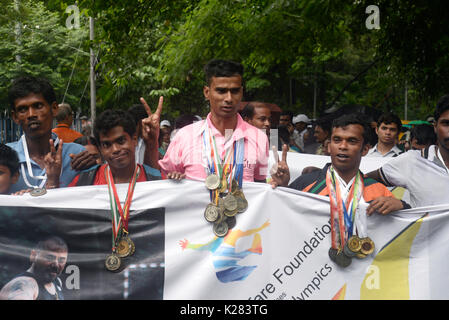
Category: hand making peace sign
[150,125]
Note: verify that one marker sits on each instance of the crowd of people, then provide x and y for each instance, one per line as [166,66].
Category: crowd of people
[135,145]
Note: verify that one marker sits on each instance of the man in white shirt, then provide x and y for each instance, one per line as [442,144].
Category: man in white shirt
[388,128]
[424,173]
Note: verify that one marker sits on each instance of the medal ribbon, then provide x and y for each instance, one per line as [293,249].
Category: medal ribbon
[339,213]
[120,216]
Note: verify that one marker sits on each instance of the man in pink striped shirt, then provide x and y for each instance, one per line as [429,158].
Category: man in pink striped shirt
[186,156]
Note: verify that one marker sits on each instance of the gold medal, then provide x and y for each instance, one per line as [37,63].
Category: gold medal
[112,262]
[230,213]
[367,246]
[352,246]
[123,248]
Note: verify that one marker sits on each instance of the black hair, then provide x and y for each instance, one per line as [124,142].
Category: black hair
[354,118]
[388,118]
[138,112]
[287,113]
[222,68]
[424,134]
[9,158]
[325,123]
[56,241]
[24,86]
[442,107]
[248,111]
[184,120]
[113,118]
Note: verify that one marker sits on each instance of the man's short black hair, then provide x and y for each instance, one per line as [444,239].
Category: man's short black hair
[9,158]
[222,68]
[424,134]
[442,107]
[354,118]
[112,118]
[24,86]
[388,118]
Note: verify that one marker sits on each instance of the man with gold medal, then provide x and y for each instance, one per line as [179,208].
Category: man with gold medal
[352,196]
[116,134]
[222,150]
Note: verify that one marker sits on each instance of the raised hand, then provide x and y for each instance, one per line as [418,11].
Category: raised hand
[53,165]
[280,174]
[150,125]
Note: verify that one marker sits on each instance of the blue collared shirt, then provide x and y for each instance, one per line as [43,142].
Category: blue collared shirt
[67,173]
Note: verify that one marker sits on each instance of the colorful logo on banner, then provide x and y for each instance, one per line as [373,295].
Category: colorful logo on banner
[225,255]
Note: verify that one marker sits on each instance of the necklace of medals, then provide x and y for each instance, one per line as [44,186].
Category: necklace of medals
[346,227]
[38,190]
[226,196]
[122,245]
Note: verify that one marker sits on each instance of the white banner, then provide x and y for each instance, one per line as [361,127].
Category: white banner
[278,248]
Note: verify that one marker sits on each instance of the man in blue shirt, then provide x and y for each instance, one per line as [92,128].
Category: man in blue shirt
[45,161]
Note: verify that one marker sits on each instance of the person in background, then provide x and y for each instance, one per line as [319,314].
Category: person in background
[9,168]
[388,128]
[64,118]
[321,133]
[422,136]
[301,121]
[258,114]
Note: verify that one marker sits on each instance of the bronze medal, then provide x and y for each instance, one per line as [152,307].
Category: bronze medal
[112,262]
[367,246]
[221,228]
[212,181]
[242,204]
[212,212]
[333,254]
[360,256]
[342,260]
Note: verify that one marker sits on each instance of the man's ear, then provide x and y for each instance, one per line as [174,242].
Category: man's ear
[54,109]
[365,149]
[206,92]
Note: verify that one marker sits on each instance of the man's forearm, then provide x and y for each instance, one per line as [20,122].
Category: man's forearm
[151,156]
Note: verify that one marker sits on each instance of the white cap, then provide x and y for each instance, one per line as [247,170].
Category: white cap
[301,118]
[165,123]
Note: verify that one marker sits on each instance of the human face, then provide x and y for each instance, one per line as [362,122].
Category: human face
[442,131]
[223,94]
[34,114]
[6,180]
[284,120]
[49,263]
[346,149]
[261,119]
[118,148]
[387,133]
[320,135]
